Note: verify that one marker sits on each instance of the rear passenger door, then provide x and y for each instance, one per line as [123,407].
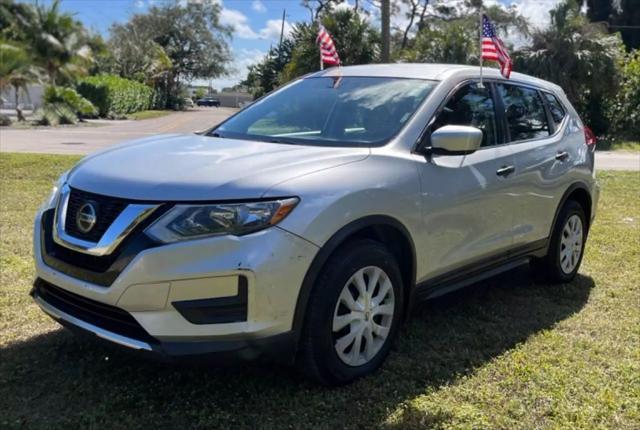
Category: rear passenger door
[467,200]
[533,122]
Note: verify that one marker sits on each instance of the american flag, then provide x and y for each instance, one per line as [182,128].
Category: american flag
[493,49]
[328,53]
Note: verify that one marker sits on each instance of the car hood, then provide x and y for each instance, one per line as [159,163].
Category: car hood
[192,167]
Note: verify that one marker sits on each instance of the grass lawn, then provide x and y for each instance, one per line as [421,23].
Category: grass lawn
[624,145]
[148,114]
[503,354]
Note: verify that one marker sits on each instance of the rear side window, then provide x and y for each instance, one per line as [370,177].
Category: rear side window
[524,111]
[555,107]
[471,106]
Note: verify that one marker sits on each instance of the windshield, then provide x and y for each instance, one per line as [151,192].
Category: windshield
[346,111]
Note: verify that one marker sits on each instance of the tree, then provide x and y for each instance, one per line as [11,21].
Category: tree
[450,42]
[318,7]
[55,41]
[626,20]
[182,41]
[266,75]
[580,57]
[357,42]
[16,72]
[625,108]
[417,9]
[385,30]
[449,34]
[622,16]
[200,93]
[103,61]
[135,56]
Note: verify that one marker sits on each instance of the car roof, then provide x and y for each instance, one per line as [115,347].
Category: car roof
[438,72]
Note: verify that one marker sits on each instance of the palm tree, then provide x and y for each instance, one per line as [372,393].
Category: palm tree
[57,42]
[357,42]
[578,55]
[16,71]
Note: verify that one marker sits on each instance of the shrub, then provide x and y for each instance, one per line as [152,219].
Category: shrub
[115,96]
[55,114]
[625,108]
[68,96]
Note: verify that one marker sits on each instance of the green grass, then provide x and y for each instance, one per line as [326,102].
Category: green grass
[503,354]
[148,114]
[620,145]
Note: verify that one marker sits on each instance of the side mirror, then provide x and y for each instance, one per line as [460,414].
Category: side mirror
[456,139]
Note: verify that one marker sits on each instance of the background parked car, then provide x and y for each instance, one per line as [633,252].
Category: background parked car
[208,101]
[188,103]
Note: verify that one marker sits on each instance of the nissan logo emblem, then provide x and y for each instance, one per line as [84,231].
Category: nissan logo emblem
[86,217]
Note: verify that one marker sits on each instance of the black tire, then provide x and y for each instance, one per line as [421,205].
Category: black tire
[318,358]
[548,269]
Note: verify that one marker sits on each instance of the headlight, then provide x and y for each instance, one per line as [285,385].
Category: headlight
[52,200]
[184,222]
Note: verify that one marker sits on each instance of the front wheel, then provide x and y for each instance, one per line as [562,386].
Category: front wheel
[566,247]
[353,314]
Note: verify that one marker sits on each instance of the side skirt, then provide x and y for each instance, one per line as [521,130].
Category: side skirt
[484,269]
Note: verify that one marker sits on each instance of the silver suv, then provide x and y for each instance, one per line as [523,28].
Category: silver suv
[305,227]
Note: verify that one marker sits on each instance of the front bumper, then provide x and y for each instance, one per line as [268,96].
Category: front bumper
[159,287]
[279,347]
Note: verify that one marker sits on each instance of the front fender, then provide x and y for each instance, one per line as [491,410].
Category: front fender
[381,185]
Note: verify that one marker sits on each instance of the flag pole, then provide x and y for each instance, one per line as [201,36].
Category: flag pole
[480,85]
[319,47]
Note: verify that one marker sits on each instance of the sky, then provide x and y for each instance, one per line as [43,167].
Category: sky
[256,23]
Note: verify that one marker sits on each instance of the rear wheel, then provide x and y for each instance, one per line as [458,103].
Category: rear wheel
[566,248]
[353,314]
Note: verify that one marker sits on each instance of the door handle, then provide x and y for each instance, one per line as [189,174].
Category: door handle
[562,155]
[505,170]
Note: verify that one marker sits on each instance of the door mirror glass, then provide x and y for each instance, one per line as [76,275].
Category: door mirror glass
[456,139]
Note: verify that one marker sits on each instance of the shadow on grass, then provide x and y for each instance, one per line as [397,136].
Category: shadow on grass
[57,380]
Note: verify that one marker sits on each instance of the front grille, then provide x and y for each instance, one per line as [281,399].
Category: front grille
[98,314]
[98,270]
[107,210]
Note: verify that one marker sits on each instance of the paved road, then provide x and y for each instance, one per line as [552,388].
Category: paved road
[87,139]
[617,160]
[101,134]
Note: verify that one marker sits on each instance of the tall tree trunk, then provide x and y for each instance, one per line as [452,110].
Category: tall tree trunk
[19,114]
[386,32]
[405,36]
[422,15]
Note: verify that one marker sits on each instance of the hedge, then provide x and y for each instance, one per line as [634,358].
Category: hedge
[115,96]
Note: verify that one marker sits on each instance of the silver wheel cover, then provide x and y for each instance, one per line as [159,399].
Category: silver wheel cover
[363,316]
[571,244]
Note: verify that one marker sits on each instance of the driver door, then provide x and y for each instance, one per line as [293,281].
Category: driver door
[467,200]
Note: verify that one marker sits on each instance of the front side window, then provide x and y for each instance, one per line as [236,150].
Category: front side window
[472,106]
[328,111]
[524,111]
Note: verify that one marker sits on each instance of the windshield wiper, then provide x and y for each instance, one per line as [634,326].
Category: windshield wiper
[276,140]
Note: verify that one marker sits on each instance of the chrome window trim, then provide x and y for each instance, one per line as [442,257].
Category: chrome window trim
[539,90]
[494,80]
[129,218]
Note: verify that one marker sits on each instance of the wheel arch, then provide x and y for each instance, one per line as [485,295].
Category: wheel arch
[382,228]
[578,191]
